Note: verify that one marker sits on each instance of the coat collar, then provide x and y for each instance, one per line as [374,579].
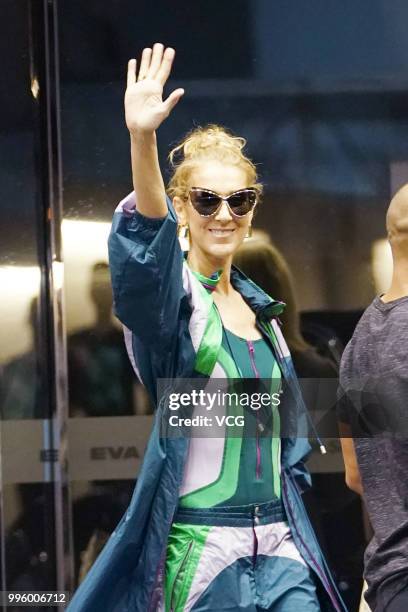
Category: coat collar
[261,303]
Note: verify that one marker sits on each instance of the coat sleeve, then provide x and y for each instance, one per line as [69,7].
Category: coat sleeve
[295,422]
[301,447]
[146,264]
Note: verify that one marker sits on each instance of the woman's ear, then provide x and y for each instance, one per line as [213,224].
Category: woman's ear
[180,208]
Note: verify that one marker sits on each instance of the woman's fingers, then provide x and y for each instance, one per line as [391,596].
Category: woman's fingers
[144,64]
[172,100]
[155,64]
[156,60]
[166,64]
[131,72]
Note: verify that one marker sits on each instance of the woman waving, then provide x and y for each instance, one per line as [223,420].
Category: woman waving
[215,523]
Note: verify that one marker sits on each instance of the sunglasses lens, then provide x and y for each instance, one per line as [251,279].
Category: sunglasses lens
[242,202]
[205,202]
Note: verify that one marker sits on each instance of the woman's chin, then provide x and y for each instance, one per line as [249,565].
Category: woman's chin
[222,251]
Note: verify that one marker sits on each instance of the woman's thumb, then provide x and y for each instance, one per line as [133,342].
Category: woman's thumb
[172,100]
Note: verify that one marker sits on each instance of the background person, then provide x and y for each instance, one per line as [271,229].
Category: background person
[266,266]
[372,408]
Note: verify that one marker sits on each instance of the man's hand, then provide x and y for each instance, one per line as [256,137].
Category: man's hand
[145,109]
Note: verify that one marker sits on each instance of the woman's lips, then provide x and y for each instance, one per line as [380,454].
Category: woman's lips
[221,233]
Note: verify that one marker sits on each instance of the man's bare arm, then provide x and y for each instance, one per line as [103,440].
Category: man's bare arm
[353,479]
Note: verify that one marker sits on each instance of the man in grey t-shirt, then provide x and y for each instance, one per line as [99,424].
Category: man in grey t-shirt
[373,409]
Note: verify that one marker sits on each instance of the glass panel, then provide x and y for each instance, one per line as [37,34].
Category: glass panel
[27,493]
[97,507]
[290,79]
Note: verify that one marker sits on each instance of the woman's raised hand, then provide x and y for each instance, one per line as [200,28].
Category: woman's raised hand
[145,109]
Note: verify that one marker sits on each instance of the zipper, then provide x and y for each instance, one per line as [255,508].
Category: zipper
[255,546]
[252,357]
[160,572]
[258,449]
[173,603]
[312,561]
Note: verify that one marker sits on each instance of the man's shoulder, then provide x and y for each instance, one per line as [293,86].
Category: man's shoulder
[377,343]
[363,327]
[358,342]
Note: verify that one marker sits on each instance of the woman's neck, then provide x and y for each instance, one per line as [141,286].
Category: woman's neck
[207,267]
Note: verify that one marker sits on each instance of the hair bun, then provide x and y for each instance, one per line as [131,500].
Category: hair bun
[200,140]
[209,143]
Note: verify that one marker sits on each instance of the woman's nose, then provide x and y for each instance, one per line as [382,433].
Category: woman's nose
[223,213]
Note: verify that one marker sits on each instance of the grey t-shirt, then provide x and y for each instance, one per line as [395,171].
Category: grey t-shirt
[373,399]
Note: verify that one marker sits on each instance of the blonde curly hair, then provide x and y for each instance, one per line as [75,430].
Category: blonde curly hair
[208,143]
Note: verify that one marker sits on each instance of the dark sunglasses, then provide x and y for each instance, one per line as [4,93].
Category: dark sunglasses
[207,203]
